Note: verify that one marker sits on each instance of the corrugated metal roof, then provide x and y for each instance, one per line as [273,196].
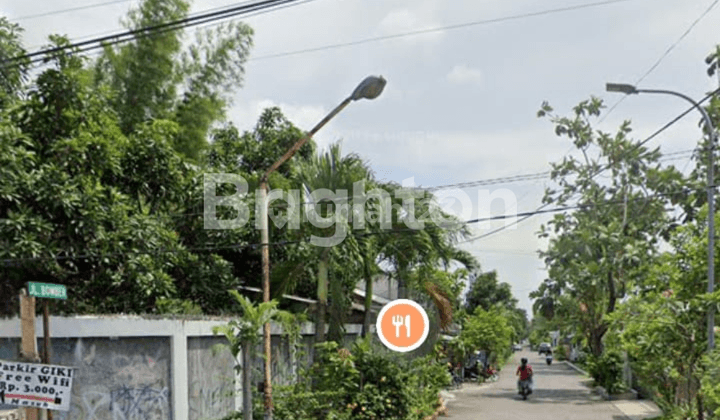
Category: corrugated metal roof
[290,297]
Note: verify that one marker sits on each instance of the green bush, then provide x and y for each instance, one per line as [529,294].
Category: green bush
[711,382]
[363,385]
[582,359]
[607,370]
[427,378]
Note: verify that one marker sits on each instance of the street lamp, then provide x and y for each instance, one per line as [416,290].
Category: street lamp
[629,90]
[370,88]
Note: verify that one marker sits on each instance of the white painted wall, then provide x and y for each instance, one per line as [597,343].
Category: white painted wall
[178,330]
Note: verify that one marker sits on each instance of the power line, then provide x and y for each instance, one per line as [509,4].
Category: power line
[503,180]
[11,261]
[663,56]
[100,34]
[530,177]
[199,25]
[440,28]
[637,146]
[492,232]
[151,30]
[74,9]
[399,35]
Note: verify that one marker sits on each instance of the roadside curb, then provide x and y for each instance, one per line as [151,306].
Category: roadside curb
[602,392]
[632,408]
[575,367]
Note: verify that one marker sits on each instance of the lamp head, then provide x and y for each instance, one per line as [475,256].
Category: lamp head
[621,87]
[370,88]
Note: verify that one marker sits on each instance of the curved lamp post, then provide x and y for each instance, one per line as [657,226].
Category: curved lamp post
[370,88]
[629,90]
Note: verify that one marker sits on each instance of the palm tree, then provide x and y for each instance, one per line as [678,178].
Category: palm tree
[334,172]
[242,335]
[408,250]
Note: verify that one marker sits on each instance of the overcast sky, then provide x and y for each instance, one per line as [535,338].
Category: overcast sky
[460,104]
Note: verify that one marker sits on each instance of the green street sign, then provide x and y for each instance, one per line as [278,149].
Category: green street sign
[47,290]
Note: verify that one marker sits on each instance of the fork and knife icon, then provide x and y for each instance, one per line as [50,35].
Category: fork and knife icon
[398,321]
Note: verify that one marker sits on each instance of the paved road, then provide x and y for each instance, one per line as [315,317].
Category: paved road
[559,394]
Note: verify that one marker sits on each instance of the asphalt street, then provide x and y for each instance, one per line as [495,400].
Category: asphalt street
[560,393]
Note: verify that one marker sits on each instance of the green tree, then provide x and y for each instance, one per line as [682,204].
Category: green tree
[595,253]
[332,173]
[489,331]
[663,326]
[86,206]
[152,77]
[13,71]
[486,292]
[243,336]
[422,239]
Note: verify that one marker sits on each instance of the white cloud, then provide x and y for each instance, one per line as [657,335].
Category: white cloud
[462,74]
[405,20]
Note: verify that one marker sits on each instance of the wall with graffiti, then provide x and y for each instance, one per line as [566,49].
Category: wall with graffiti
[211,379]
[130,377]
[115,379]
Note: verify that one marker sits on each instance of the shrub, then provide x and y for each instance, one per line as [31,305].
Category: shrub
[607,370]
[711,382]
[427,379]
[363,385]
[582,358]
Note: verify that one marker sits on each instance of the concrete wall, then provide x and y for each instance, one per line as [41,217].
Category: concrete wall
[383,287]
[17,414]
[211,379]
[142,368]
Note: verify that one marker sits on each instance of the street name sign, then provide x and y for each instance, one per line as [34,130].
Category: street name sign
[35,385]
[47,290]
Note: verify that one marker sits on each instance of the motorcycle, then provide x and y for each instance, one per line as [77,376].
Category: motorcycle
[548,360]
[525,388]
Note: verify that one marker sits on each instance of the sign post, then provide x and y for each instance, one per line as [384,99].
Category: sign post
[36,385]
[47,291]
[29,342]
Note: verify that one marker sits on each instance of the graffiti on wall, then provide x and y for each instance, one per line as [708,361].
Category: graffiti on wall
[210,401]
[140,403]
[14,414]
[123,403]
[211,388]
[118,379]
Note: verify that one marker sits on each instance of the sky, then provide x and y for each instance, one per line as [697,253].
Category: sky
[461,98]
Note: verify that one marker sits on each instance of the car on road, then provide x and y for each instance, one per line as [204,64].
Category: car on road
[545,348]
[517,347]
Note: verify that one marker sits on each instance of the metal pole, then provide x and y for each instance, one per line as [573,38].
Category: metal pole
[711,207]
[265,243]
[711,239]
[28,341]
[46,344]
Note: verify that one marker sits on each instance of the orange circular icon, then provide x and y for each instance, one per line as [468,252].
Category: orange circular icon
[402,325]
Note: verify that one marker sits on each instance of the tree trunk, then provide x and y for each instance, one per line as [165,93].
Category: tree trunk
[402,287]
[322,292]
[701,407]
[613,294]
[596,336]
[338,310]
[368,303]
[247,381]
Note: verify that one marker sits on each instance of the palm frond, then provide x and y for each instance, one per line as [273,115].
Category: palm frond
[443,304]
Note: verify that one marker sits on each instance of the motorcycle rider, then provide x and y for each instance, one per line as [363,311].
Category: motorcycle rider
[526,373]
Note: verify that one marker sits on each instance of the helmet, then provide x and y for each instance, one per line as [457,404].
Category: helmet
[523,361]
